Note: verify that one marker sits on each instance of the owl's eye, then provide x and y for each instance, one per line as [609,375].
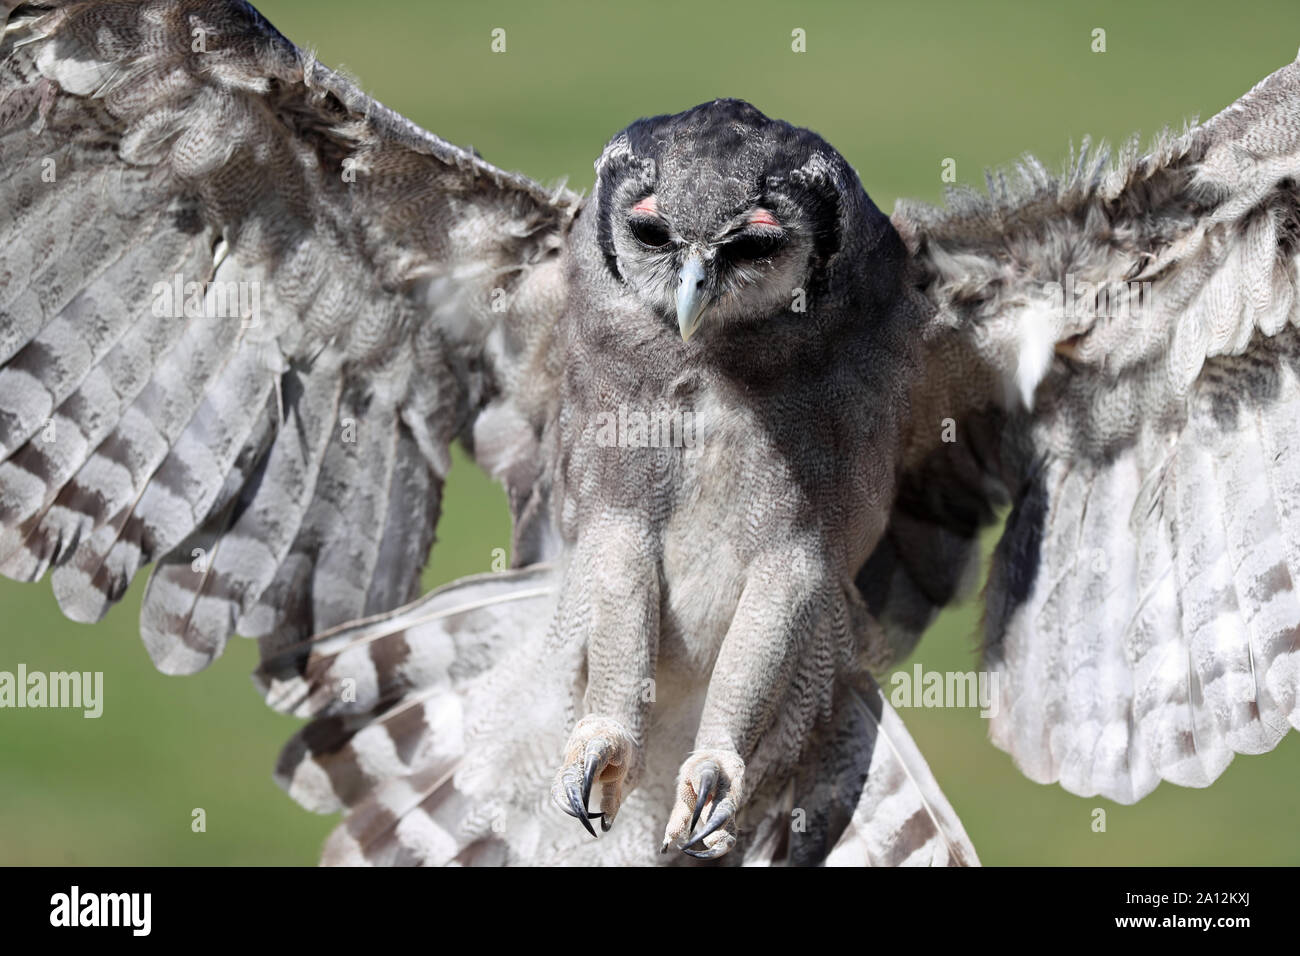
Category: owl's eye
[649,231]
[759,244]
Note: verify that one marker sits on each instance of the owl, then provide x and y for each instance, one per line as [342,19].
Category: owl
[750,429]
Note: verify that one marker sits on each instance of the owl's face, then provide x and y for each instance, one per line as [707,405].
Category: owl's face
[719,214]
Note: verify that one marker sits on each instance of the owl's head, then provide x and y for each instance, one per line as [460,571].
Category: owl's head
[719,214]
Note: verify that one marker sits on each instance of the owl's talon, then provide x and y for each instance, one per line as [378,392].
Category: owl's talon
[598,751]
[590,770]
[708,788]
[578,805]
[722,814]
[712,853]
[709,778]
[577,809]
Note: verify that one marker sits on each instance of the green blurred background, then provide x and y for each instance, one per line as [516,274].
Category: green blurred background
[897,89]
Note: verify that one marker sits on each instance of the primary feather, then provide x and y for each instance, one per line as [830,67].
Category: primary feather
[247,310]
[1142,608]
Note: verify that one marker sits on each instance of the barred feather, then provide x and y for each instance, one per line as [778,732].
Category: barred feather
[280,458]
[1142,610]
[435,729]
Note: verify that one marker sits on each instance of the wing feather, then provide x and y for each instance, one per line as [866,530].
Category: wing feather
[901,818]
[244,309]
[1131,333]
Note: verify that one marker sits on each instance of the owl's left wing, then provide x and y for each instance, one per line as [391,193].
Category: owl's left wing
[244,309]
[1117,352]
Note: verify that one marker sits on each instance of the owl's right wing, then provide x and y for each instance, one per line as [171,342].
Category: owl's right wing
[244,309]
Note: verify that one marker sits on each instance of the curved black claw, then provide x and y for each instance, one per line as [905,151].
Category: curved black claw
[708,788]
[721,815]
[723,812]
[584,816]
[578,806]
[710,854]
[579,798]
[589,773]
[589,816]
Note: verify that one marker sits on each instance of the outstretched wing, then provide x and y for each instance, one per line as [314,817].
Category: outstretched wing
[1119,350]
[243,311]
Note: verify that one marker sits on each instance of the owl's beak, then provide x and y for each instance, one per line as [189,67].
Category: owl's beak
[692,299]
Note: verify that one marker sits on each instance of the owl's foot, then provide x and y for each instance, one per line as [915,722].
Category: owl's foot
[599,750]
[712,778]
